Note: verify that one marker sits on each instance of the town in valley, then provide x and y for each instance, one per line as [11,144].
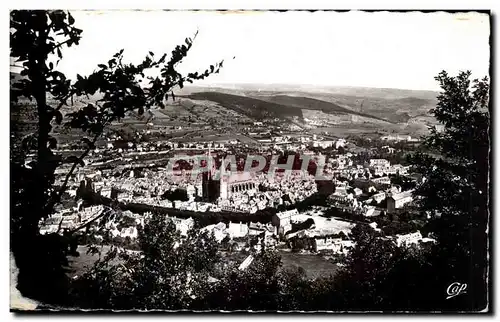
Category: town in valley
[158,164]
[258,161]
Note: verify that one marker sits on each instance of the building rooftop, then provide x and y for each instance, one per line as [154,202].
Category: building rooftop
[402,195]
[288,213]
[240,177]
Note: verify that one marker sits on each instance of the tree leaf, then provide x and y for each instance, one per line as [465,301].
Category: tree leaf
[89,143]
[52,143]
[58,115]
[74,159]
[26,143]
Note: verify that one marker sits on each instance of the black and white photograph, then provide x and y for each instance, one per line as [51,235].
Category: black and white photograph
[250,161]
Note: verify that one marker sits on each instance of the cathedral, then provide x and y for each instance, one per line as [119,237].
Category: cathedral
[226,184]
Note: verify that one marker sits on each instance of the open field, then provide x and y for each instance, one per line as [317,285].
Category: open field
[314,265]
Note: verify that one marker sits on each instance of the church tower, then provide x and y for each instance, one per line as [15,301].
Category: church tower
[210,185]
[224,193]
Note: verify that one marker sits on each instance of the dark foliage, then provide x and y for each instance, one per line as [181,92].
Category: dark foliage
[35,38]
[177,194]
[456,192]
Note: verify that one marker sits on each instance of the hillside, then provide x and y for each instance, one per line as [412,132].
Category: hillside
[399,106]
[399,110]
[367,109]
[251,107]
[315,104]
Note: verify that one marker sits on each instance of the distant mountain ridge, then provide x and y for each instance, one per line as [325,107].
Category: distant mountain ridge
[398,107]
[388,93]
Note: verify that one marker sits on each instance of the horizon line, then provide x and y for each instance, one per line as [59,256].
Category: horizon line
[309,86]
[306,86]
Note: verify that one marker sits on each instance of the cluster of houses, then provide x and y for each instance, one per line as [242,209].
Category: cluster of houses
[69,219]
[303,143]
[399,138]
[149,189]
[363,189]
[318,233]
[369,201]
[291,190]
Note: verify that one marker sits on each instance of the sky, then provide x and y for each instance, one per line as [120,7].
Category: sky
[383,49]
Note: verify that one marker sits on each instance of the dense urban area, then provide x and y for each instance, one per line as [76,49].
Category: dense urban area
[365,180]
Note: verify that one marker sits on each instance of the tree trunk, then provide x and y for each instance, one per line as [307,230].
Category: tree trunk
[37,67]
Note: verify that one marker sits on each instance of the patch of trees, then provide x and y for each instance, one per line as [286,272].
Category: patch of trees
[303,243]
[325,187]
[177,194]
[344,214]
[316,199]
[397,227]
[125,222]
[301,226]
[405,182]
